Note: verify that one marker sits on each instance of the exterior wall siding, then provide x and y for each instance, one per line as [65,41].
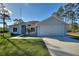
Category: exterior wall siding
[51,27]
[18,29]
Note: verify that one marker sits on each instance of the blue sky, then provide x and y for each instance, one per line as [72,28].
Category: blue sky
[32,11]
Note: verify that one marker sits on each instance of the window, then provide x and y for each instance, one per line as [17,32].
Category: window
[29,25]
[32,29]
[14,29]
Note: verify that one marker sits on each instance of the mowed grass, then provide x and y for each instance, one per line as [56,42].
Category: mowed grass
[74,35]
[3,37]
[23,47]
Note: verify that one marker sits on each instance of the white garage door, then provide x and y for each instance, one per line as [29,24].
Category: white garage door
[46,30]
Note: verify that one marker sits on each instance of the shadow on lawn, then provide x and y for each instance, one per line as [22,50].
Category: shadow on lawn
[25,52]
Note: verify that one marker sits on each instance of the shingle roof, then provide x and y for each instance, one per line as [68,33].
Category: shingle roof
[30,22]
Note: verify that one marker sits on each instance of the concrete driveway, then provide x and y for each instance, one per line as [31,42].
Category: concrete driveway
[62,46]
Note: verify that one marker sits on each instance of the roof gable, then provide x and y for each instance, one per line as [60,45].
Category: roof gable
[26,23]
[54,19]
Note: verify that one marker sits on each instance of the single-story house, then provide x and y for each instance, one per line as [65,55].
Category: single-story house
[53,25]
[22,28]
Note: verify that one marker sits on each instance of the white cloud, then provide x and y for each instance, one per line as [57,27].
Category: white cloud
[5,9]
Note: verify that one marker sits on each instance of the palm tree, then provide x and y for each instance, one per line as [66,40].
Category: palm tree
[4,15]
[17,21]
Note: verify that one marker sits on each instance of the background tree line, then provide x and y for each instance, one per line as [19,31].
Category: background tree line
[70,13]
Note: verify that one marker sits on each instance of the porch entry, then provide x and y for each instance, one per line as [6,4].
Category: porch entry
[23,29]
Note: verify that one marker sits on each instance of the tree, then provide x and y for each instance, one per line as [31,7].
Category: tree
[59,12]
[17,21]
[70,13]
[4,15]
[75,26]
[77,14]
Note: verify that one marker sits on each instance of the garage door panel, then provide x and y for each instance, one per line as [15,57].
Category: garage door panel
[51,30]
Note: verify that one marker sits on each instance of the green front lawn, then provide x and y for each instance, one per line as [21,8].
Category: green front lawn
[3,37]
[23,47]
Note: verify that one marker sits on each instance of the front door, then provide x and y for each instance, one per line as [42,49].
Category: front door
[23,29]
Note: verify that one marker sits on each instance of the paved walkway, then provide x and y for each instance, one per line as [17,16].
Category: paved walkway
[62,46]
[19,37]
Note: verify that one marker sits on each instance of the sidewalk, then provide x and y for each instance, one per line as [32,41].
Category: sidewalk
[18,37]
